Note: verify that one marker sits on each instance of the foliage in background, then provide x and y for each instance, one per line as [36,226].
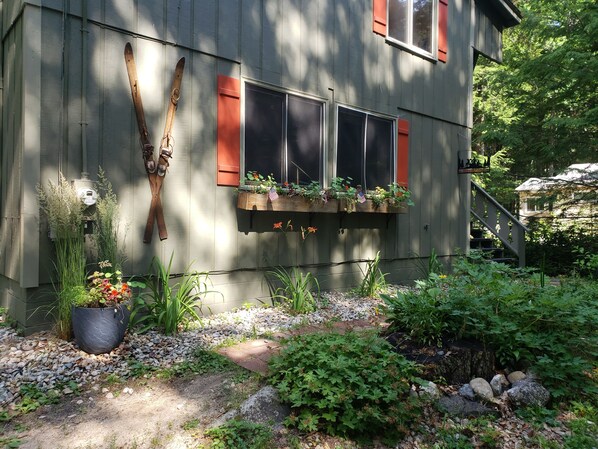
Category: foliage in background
[240,434]
[374,280]
[541,104]
[350,384]
[550,329]
[64,211]
[587,262]
[553,245]
[169,307]
[499,182]
[107,223]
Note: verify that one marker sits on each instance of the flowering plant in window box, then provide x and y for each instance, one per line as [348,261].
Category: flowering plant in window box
[380,200]
[256,182]
[259,193]
[396,196]
[341,189]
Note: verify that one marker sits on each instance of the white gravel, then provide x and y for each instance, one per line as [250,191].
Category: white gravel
[49,363]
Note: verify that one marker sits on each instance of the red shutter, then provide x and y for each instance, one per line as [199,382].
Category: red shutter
[229,131]
[403,154]
[442,30]
[379,19]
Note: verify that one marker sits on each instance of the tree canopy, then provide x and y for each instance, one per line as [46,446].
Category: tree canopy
[540,107]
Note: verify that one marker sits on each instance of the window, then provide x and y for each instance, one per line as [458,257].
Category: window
[418,25]
[365,148]
[284,135]
[411,22]
[538,205]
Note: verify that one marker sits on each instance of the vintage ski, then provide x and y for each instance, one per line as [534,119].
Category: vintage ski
[166,149]
[147,148]
[146,145]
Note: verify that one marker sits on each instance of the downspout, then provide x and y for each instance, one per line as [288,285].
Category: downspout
[64,90]
[84,59]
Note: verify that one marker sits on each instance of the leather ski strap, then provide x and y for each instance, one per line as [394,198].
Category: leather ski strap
[166,150]
[147,148]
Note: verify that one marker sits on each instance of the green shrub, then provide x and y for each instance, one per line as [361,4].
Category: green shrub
[296,290]
[239,434]
[553,245]
[551,329]
[165,306]
[587,262]
[345,384]
[418,311]
[374,280]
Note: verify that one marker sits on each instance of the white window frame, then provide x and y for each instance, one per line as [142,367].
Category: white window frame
[324,137]
[409,45]
[393,142]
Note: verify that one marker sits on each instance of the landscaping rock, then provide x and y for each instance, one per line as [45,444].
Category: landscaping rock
[264,407]
[498,384]
[464,408]
[429,391]
[482,388]
[528,393]
[516,376]
[467,392]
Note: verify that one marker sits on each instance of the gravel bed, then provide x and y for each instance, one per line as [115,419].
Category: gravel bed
[49,363]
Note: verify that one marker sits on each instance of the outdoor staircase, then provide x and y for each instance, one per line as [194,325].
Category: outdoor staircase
[490,247]
[489,217]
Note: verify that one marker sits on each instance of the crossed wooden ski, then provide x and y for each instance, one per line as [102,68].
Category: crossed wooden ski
[156,170]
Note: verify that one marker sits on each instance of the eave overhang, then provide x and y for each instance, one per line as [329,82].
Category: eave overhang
[509,14]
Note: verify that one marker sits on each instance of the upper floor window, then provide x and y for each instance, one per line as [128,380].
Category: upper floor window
[365,148]
[284,135]
[412,23]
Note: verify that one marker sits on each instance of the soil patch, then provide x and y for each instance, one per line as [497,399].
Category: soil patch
[140,413]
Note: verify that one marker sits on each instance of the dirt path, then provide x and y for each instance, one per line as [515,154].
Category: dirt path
[143,413]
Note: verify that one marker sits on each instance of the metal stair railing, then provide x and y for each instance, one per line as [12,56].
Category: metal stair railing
[494,217]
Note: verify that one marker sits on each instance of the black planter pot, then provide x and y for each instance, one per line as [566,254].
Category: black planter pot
[99,330]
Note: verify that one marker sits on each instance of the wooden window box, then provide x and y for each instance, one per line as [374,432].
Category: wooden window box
[260,202]
[370,207]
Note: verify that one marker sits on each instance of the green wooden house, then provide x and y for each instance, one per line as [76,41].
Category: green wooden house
[306,90]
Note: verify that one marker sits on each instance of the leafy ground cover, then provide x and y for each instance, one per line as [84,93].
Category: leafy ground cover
[531,324]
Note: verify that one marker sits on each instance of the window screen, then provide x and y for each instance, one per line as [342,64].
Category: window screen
[283,135]
[365,148]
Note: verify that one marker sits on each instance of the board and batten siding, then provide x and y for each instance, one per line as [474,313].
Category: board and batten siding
[323,48]
[487,38]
